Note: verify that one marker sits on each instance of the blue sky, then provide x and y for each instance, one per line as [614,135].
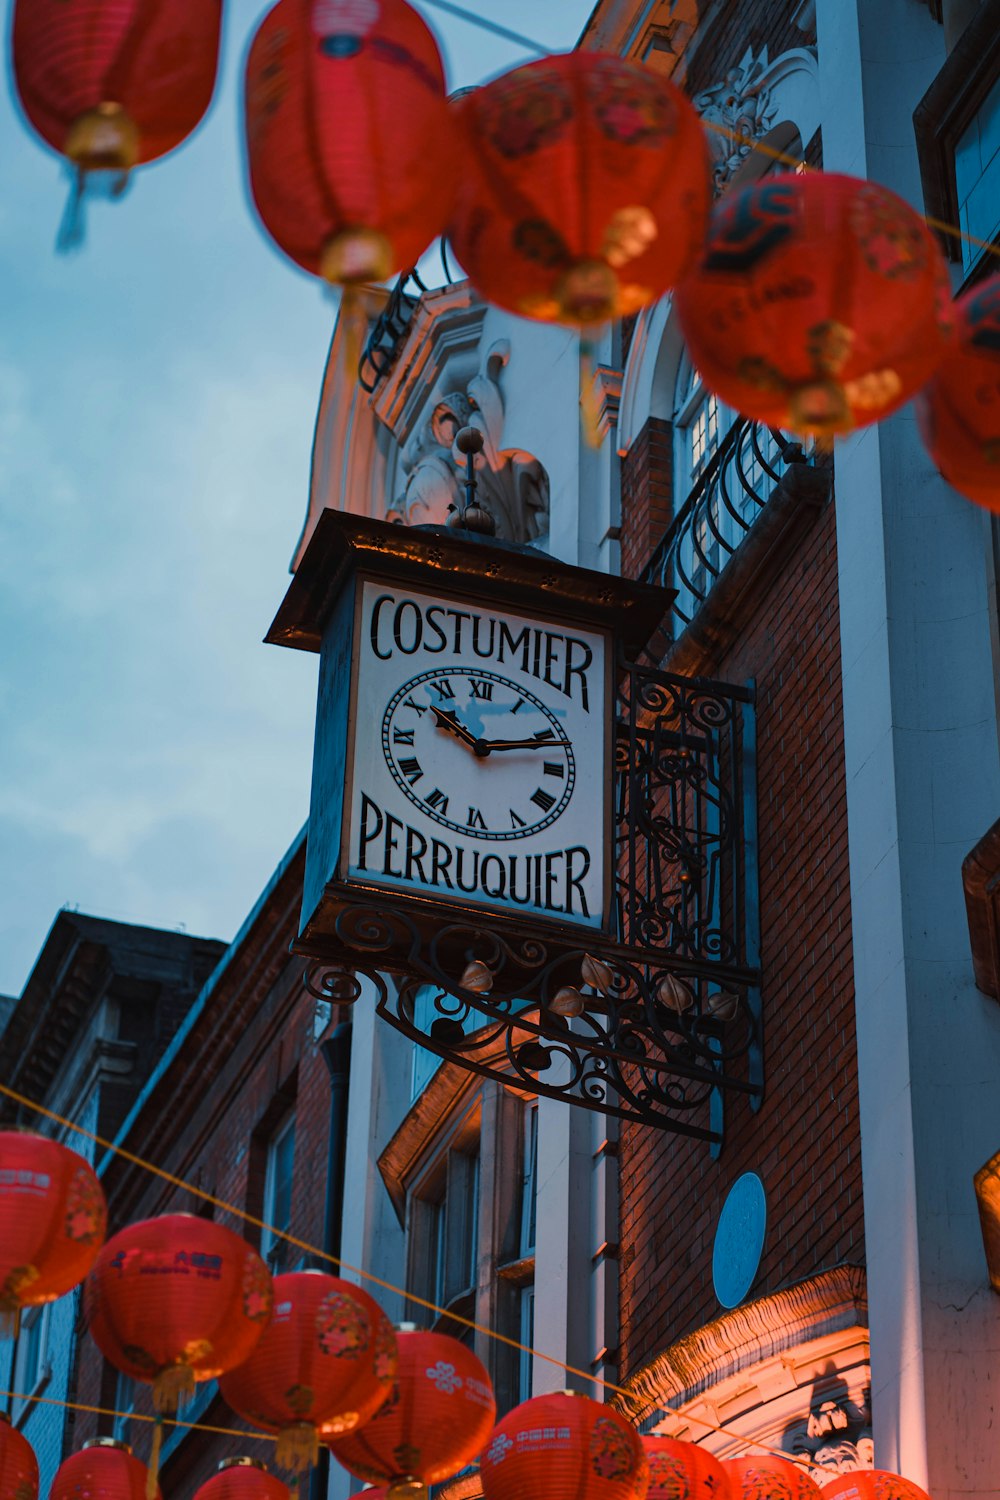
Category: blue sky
[157,397]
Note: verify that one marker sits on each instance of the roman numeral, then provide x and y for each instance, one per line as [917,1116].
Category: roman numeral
[418,708]
[542,799]
[402,736]
[442,688]
[438,801]
[481,688]
[411,769]
[515,821]
[554,768]
[517,705]
[475,819]
[543,734]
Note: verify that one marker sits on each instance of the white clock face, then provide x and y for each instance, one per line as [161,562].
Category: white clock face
[525,774]
[479,767]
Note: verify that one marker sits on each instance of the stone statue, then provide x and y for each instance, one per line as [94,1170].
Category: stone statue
[512,484]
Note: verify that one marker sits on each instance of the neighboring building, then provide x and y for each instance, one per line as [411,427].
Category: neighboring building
[857,595]
[98,1010]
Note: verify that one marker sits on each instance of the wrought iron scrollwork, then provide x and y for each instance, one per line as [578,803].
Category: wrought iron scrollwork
[648,1022]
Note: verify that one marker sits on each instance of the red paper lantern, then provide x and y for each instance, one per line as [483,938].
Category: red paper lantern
[348,136]
[566,1447]
[822,303]
[872,1484]
[53,1218]
[242,1479]
[114,83]
[103,1470]
[175,1300]
[959,411]
[324,1366]
[683,1471]
[18,1464]
[585,191]
[765,1477]
[436,1420]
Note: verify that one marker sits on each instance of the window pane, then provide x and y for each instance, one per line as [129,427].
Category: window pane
[278,1193]
[528,1177]
[527,1340]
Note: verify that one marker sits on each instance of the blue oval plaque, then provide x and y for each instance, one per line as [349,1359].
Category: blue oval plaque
[739,1239]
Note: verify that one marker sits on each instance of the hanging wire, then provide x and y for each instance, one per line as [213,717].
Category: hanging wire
[138,1416]
[484,24]
[379,1281]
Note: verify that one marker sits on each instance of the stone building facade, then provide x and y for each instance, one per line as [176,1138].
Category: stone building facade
[847,1317]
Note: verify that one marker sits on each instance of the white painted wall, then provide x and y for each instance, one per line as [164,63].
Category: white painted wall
[923,783]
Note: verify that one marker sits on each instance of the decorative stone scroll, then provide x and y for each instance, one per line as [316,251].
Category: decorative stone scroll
[512,483]
[737,112]
[791,1370]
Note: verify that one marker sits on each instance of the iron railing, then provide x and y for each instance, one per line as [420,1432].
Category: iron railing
[389,329]
[727,498]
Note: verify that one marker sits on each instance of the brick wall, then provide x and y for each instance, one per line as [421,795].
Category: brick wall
[647,494]
[804,1142]
[250,1055]
[736,25]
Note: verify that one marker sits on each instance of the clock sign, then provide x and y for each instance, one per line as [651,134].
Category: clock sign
[480,759]
[463,766]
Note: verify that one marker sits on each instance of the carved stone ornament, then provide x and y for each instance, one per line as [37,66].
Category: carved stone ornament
[790,1370]
[512,484]
[736,112]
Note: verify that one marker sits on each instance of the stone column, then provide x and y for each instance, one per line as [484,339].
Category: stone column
[923,783]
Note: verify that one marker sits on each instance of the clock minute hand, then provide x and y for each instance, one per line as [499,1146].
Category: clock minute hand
[553,744]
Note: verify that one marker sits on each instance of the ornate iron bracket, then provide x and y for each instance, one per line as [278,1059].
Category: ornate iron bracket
[652,1022]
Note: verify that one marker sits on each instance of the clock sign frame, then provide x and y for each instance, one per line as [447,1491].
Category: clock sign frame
[464,755]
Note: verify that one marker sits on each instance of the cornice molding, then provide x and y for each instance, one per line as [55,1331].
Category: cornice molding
[445,322]
[450,1088]
[834,1300]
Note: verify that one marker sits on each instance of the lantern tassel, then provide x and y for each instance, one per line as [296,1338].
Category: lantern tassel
[172,1386]
[71,229]
[153,1472]
[297,1447]
[10,1328]
[590,406]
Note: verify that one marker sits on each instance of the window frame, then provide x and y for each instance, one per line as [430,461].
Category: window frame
[273,1247]
[41,1317]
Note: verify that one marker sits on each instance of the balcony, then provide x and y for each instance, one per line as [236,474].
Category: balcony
[756,497]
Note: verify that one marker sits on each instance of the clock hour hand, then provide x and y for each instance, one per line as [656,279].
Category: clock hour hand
[449,721]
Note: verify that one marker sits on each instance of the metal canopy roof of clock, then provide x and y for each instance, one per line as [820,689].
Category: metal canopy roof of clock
[504,571]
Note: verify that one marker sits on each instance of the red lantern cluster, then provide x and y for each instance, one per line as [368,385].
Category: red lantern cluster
[18,1464]
[102,1468]
[959,411]
[114,83]
[821,303]
[175,1300]
[566,1447]
[324,1366]
[586,188]
[683,1471]
[348,135]
[242,1479]
[436,1420]
[53,1218]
